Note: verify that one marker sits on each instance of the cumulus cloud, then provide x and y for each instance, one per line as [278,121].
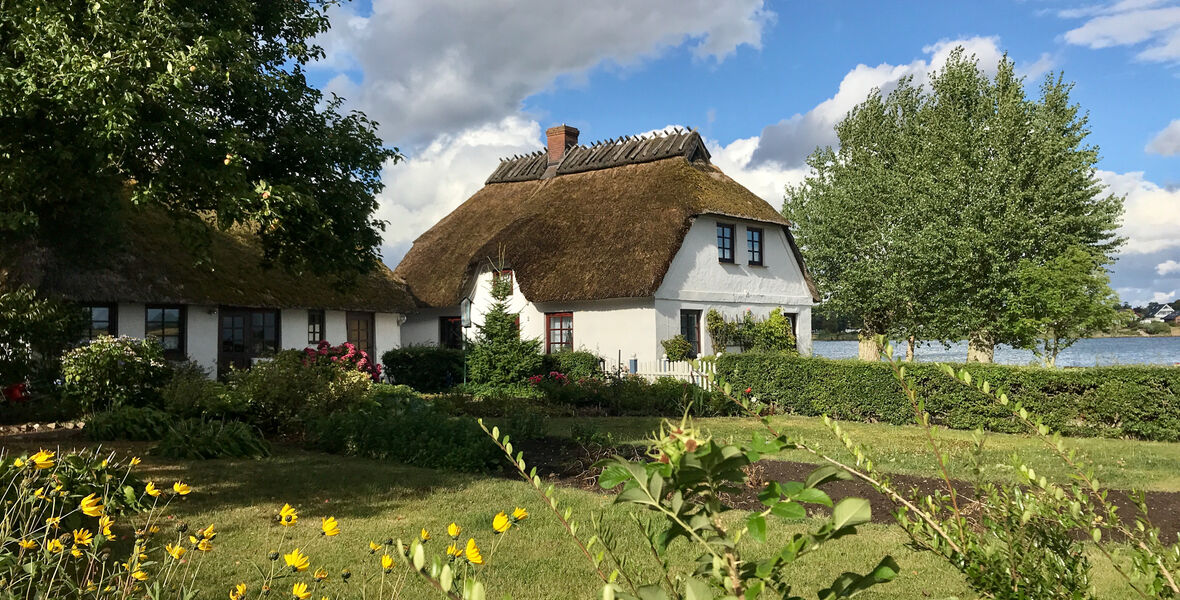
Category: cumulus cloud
[1152,25]
[767,180]
[788,142]
[1166,142]
[421,68]
[1167,267]
[1151,221]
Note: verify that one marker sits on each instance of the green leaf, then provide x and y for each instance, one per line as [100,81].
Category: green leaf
[757,527]
[695,589]
[789,510]
[826,474]
[850,512]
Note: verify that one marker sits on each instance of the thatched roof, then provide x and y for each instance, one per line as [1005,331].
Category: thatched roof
[152,265]
[592,233]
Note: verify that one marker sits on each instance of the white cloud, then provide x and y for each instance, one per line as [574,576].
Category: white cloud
[1167,141]
[1151,221]
[1167,267]
[1153,24]
[767,180]
[447,65]
[1164,297]
[789,141]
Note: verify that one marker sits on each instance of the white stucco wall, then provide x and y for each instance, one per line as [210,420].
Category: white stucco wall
[387,332]
[132,320]
[293,328]
[201,335]
[335,329]
[696,280]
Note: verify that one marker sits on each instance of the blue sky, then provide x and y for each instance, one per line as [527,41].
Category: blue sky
[456,84]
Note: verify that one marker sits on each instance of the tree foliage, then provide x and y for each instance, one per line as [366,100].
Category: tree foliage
[499,357]
[199,108]
[937,198]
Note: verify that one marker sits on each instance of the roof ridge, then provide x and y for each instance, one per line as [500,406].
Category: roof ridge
[606,153]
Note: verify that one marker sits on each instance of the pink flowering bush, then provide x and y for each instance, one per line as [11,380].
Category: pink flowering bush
[346,356]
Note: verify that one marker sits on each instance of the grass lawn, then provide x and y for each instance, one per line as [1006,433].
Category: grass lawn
[1119,464]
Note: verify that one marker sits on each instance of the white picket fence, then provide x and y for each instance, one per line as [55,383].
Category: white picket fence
[696,371]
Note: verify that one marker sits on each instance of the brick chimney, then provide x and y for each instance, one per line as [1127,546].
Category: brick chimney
[560,139]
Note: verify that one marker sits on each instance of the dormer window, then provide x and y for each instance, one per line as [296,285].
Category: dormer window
[754,245]
[725,243]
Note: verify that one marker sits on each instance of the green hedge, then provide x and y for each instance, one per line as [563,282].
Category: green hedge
[1124,401]
[573,364]
[427,369]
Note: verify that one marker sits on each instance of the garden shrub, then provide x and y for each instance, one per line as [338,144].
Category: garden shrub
[1157,328]
[1133,401]
[499,357]
[772,334]
[631,396]
[110,372]
[34,333]
[199,439]
[425,368]
[346,356]
[192,393]
[572,363]
[678,348]
[65,479]
[131,423]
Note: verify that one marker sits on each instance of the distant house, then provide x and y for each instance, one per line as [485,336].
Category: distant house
[611,247]
[225,312]
[1171,317]
[1161,314]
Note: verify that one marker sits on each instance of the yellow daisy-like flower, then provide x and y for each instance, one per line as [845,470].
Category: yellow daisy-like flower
[27,544]
[204,545]
[104,524]
[76,552]
[43,459]
[91,506]
[320,574]
[424,535]
[151,490]
[54,522]
[238,592]
[18,463]
[386,562]
[139,576]
[135,461]
[288,515]
[207,533]
[472,552]
[83,537]
[454,550]
[330,527]
[297,560]
[500,522]
[181,488]
[175,551]
[299,590]
[54,546]
[373,547]
[454,530]
[40,494]
[519,514]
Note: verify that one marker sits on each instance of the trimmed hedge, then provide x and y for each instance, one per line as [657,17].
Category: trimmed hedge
[427,369]
[572,364]
[1121,401]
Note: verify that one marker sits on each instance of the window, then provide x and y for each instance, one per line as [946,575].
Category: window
[690,328]
[725,243]
[100,320]
[450,332]
[315,327]
[560,332]
[360,330]
[754,245]
[166,323]
[245,335]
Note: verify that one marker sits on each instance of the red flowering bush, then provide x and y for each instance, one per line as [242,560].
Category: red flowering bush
[346,356]
[555,377]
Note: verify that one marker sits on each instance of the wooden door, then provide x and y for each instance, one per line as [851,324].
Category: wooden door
[360,331]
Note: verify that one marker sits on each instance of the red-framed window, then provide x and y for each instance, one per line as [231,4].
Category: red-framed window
[559,332]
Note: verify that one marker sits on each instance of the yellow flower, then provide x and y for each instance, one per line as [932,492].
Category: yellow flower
[500,522]
[299,590]
[424,535]
[320,574]
[454,550]
[135,461]
[27,544]
[472,552]
[204,545]
[373,547]
[287,515]
[519,514]
[154,529]
[238,592]
[330,527]
[296,560]
[139,576]
[91,506]
[43,459]
[40,494]
[151,490]
[207,533]
[54,522]
[83,537]
[104,524]
[18,463]
[386,562]
[76,552]
[54,546]
[175,551]
[454,530]
[181,488]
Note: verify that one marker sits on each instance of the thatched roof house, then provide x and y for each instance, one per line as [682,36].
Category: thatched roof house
[584,223]
[226,309]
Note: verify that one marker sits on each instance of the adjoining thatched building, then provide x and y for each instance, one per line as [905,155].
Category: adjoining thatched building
[226,310]
[613,247]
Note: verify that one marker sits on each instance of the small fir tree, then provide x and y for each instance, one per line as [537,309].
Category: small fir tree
[499,357]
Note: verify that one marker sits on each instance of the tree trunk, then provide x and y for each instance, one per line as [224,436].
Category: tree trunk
[909,349]
[869,349]
[981,347]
